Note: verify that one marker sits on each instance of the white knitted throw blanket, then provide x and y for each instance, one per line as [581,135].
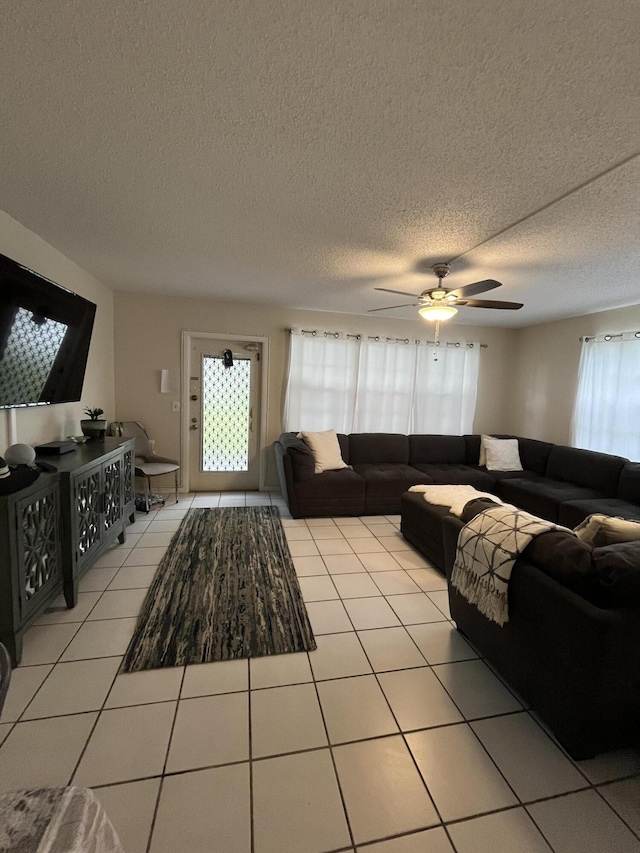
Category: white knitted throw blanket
[455,497]
[488,546]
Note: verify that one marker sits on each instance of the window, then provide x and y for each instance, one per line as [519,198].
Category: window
[353,385]
[606,416]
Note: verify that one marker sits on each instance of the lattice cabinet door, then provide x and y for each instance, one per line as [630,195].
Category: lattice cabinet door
[112,490]
[38,546]
[87,501]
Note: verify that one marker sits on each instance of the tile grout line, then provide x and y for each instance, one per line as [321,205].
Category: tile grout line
[251,793]
[164,766]
[332,756]
[95,723]
[618,815]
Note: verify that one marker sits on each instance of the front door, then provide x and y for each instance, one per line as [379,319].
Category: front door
[224,415]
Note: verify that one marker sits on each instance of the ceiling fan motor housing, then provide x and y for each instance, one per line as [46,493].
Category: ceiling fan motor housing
[437,295]
[441,270]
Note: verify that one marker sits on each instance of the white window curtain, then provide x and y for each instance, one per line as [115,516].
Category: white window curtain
[384,387]
[356,385]
[321,385]
[606,415]
[447,389]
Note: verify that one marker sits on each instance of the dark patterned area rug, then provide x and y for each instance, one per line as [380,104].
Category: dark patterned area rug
[225,589]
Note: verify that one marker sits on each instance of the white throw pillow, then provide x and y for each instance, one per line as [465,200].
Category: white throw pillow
[503,454]
[483,448]
[326,450]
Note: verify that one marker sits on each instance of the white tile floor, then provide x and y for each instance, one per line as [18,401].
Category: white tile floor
[392,737]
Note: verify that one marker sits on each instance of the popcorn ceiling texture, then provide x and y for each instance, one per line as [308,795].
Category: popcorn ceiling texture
[299,153]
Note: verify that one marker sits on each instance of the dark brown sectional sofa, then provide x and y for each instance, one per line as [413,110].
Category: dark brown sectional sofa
[562,484]
[571,647]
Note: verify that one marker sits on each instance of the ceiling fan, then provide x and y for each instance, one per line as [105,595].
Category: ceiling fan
[439,303]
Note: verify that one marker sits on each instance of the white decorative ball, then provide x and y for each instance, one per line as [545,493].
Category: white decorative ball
[19,454]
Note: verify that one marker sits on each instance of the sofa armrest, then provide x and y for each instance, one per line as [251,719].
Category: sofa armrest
[285,478]
[302,460]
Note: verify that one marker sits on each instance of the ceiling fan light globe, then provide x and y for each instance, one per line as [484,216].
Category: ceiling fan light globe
[437,312]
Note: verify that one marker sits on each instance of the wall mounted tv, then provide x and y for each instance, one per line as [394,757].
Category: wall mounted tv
[45,332]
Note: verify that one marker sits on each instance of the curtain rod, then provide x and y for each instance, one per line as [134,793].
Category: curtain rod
[376,338]
[584,339]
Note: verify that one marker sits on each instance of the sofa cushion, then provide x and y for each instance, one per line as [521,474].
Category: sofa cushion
[457,475]
[437,448]
[618,570]
[385,482]
[534,454]
[629,483]
[303,464]
[472,443]
[336,491]
[597,471]
[542,497]
[512,475]
[567,560]
[343,441]
[573,512]
[374,447]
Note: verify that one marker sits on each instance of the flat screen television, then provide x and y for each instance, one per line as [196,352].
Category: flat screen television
[45,332]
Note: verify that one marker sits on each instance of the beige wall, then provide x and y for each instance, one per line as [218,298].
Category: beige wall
[148,338]
[546,372]
[49,423]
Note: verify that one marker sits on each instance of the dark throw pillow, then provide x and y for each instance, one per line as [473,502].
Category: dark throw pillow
[618,570]
[566,559]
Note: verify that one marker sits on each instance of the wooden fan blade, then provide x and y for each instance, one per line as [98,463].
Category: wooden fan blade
[476,287]
[391,307]
[488,303]
[401,292]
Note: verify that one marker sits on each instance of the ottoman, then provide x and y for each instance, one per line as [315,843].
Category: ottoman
[421,524]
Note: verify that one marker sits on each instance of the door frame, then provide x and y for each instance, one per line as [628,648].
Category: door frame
[188,335]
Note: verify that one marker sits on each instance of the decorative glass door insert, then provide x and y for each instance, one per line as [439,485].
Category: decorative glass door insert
[226,414]
[224,401]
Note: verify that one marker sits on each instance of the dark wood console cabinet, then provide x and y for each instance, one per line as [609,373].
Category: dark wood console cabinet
[54,530]
[31,563]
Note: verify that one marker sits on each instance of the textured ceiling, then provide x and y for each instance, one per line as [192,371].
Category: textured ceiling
[299,153]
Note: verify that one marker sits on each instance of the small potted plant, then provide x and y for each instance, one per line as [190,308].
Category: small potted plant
[94,426]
